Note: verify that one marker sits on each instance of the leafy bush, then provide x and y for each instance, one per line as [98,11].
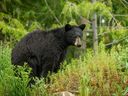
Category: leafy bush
[11,85]
[15,83]
[11,28]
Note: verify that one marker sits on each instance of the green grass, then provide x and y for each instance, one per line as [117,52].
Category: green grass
[103,75]
[11,85]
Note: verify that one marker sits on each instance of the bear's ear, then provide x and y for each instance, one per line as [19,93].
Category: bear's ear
[68,27]
[82,26]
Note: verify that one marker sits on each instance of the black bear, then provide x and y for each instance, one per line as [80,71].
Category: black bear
[43,51]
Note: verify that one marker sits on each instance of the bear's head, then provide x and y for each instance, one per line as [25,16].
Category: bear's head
[74,34]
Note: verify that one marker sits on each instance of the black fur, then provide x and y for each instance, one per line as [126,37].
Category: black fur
[45,50]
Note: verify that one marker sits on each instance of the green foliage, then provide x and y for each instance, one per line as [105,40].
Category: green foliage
[39,89]
[104,74]
[11,28]
[121,9]
[83,6]
[119,33]
[123,58]
[11,85]
[88,9]
[93,75]
[15,83]
[70,10]
[34,26]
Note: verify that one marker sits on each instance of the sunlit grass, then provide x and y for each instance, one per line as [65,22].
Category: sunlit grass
[90,75]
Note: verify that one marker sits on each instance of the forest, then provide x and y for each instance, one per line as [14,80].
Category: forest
[98,68]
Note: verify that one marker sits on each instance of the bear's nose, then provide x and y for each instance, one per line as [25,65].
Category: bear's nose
[78,45]
[78,42]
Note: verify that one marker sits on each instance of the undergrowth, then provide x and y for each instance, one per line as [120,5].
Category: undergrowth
[105,74]
[16,85]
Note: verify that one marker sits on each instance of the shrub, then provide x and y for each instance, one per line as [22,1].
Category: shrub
[15,83]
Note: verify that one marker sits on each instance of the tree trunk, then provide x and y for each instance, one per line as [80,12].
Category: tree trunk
[95,36]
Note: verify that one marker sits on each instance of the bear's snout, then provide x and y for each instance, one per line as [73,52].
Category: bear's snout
[78,42]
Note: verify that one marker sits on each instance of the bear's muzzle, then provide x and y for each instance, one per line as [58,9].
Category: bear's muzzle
[78,42]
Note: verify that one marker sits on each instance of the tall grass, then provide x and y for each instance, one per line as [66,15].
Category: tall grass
[105,74]
[11,85]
